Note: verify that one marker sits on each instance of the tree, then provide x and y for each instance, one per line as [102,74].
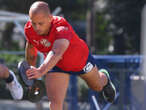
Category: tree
[98,37]
[6,41]
[67,6]
[126,24]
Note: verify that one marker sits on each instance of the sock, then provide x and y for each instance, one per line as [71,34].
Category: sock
[9,79]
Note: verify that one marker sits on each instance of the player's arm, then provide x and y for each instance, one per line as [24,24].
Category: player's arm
[30,54]
[58,49]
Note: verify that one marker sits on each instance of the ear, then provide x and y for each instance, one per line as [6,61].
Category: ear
[50,17]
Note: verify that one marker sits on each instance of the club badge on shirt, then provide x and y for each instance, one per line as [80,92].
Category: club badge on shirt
[45,42]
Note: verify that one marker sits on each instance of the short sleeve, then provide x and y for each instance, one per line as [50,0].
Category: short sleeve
[26,36]
[63,32]
[26,28]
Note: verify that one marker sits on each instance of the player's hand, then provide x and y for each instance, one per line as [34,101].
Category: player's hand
[33,73]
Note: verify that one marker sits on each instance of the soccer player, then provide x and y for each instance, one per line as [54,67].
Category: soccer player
[12,83]
[65,54]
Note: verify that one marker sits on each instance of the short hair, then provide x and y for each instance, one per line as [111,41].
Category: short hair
[40,6]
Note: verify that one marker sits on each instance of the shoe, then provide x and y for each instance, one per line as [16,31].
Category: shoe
[109,91]
[15,88]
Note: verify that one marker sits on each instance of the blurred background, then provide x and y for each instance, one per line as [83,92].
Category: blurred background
[115,33]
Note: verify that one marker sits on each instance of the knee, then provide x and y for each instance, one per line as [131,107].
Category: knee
[55,100]
[4,71]
[56,104]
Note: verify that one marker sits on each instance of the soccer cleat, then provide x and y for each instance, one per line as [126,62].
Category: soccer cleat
[109,91]
[15,88]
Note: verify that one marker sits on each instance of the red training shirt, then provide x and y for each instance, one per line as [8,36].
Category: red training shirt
[74,58]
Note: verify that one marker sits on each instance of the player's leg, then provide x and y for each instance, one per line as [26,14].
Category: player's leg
[56,85]
[4,72]
[100,81]
[12,83]
[109,90]
[95,79]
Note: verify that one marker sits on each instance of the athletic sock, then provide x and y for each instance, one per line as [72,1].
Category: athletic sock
[9,79]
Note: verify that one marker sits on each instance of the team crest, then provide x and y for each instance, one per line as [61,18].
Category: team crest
[45,42]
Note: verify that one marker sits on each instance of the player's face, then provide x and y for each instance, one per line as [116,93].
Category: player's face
[41,23]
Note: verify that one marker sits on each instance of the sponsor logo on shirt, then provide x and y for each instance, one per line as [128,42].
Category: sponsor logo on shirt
[37,42]
[61,28]
[88,67]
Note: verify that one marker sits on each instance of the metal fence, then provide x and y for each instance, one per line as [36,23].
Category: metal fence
[125,74]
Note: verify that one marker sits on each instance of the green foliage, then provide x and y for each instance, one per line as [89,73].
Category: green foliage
[102,36]
[11,60]
[126,16]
